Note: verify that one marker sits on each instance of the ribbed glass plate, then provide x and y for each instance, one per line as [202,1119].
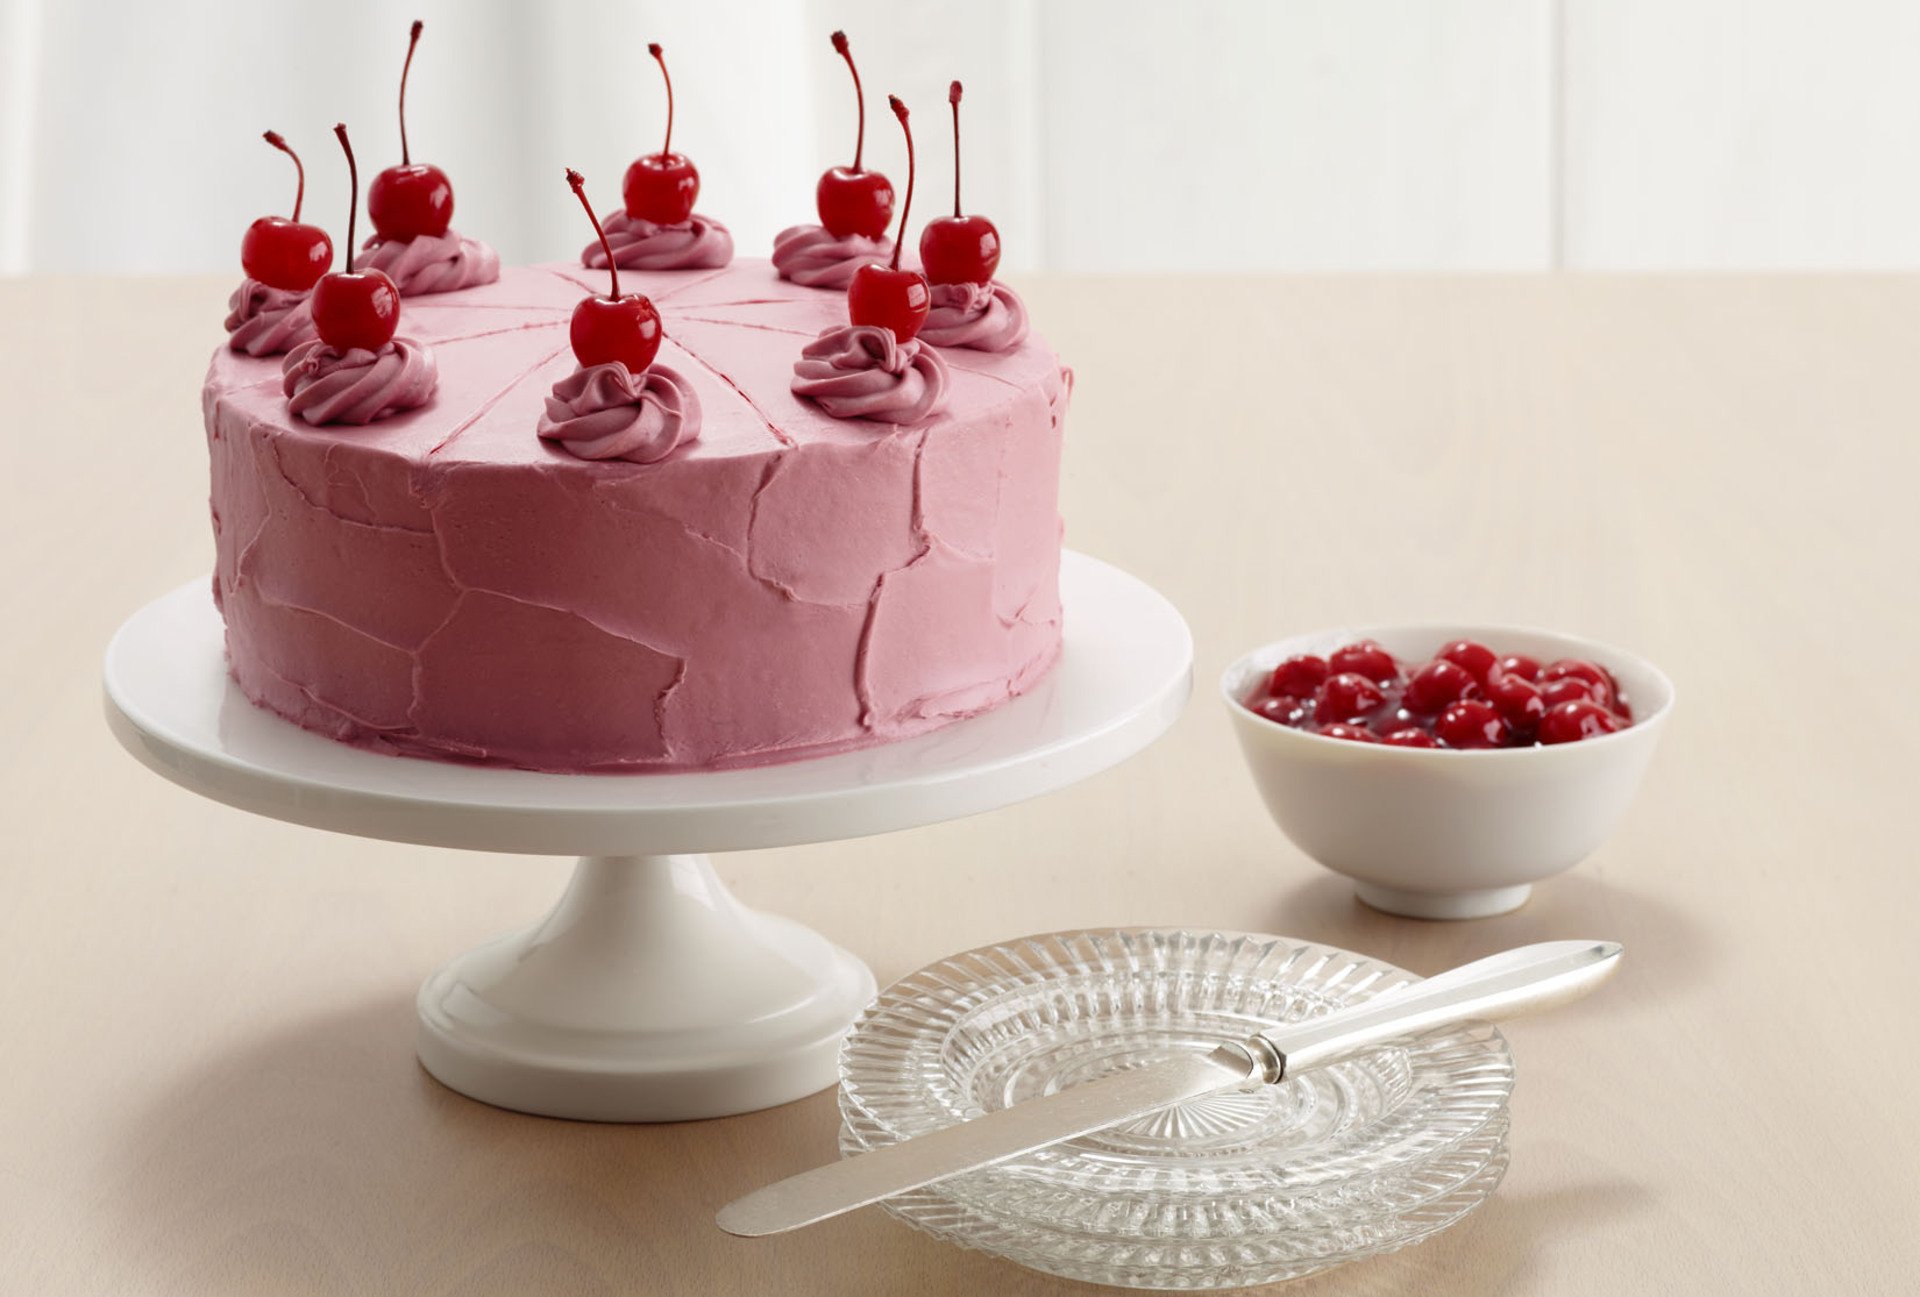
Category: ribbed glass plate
[1235,1189]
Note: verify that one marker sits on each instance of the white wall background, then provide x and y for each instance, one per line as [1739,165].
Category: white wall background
[1102,135]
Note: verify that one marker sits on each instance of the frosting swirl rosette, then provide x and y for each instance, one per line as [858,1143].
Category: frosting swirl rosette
[608,412]
[817,258]
[697,243]
[861,371]
[326,385]
[986,317]
[431,263]
[264,321]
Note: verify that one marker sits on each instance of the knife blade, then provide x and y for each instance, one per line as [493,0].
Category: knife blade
[1499,986]
[838,1187]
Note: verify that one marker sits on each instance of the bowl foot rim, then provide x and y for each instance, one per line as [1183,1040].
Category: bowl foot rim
[1480,903]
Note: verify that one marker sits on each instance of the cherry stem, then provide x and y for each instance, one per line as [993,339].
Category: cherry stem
[859,98]
[353,188]
[413,39]
[900,111]
[300,193]
[953,97]
[666,148]
[579,183]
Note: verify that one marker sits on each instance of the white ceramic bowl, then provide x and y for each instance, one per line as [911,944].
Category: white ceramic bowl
[1440,834]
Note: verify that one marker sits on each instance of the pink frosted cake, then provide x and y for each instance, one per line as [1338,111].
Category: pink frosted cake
[448,583]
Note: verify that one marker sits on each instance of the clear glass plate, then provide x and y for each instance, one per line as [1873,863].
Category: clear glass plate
[1235,1189]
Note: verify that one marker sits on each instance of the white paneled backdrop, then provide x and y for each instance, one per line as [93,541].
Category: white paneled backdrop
[1102,135]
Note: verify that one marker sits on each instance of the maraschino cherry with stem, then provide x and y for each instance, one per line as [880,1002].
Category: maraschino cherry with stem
[283,253]
[618,327]
[355,308]
[412,200]
[959,249]
[661,187]
[853,200]
[887,295]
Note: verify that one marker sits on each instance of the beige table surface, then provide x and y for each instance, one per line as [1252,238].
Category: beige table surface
[207,1084]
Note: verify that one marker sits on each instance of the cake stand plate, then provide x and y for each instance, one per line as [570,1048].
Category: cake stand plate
[649,993]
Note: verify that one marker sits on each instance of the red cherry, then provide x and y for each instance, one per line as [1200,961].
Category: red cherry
[887,295]
[1365,657]
[1285,711]
[1297,677]
[412,200]
[854,203]
[661,187]
[284,253]
[959,249]
[853,200]
[1519,664]
[1578,669]
[1476,658]
[1435,685]
[1411,736]
[1570,689]
[354,309]
[614,327]
[606,329]
[1471,724]
[1347,697]
[1351,733]
[1518,701]
[895,299]
[1571,722]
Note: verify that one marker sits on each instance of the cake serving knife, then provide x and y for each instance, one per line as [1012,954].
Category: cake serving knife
[1499,986]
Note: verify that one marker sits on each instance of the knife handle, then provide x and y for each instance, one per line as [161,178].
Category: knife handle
[1505,985]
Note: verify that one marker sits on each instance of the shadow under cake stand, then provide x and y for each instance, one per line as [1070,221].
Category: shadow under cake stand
[649,993]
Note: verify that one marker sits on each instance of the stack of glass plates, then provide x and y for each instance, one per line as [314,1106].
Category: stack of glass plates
[1249,1187]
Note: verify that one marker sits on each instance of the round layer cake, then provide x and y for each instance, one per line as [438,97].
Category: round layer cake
[443,583]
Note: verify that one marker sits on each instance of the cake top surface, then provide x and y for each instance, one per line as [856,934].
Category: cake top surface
[732,333]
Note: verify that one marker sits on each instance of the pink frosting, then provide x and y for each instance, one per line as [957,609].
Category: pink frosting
[444,584]
[810,255]
[606,412]
[265,321]
[986,317]
[699,243]
[861,371]
[323,385]
[431,263]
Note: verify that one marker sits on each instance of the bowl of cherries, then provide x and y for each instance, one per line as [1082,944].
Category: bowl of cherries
[1446,769]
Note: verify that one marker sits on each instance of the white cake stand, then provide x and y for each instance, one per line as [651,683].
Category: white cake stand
[649,993]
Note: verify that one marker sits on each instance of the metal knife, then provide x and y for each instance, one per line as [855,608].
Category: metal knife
[1499,986]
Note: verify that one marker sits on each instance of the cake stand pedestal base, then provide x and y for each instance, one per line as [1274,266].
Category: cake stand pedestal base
[648,994]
